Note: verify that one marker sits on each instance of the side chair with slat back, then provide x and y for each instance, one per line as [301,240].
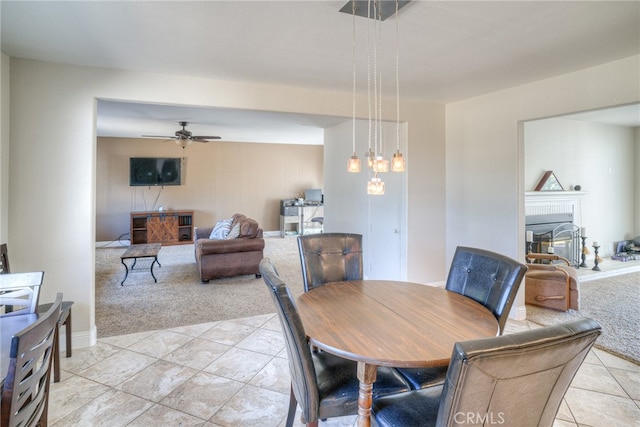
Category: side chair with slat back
[20,293]
[65,313]
[25,392]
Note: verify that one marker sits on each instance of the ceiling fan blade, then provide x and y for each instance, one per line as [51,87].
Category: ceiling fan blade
[203,141]
[158,136]
[199,137]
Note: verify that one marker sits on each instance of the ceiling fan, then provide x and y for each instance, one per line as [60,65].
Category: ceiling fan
[183,137]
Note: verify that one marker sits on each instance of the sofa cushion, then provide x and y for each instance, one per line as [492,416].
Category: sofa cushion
[234,233]
[248,228]
[236,218]
[209,247]
[221,229]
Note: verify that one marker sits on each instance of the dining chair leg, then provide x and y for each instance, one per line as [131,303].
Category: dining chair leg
[293,403]
[56,353]
[67,324]
[64,319]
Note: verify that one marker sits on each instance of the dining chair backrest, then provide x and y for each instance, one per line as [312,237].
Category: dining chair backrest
[25,392]
[303,376]
[20,292]
[4,259]
[489,278]
[330,257]
[495,378]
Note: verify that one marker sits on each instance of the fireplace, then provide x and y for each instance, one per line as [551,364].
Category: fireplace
[555,218]
[555,233]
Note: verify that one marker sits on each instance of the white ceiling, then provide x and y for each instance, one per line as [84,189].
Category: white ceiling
[449,50]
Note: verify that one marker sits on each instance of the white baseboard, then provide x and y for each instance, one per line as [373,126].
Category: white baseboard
[80,339]
[518,313]
[114,244]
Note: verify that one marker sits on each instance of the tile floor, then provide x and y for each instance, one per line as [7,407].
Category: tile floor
[235,373]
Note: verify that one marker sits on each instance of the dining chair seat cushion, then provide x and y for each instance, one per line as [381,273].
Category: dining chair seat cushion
[338,384]
[417,408]
[423,377]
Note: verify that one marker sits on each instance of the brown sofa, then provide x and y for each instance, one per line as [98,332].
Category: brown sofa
[233,257]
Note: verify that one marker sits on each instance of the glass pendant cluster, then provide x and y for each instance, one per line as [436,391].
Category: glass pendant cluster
[374,157]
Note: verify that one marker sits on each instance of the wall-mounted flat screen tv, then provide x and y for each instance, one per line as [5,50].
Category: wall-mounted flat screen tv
[145,171]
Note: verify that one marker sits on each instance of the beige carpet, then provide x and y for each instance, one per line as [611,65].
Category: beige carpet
[612,301]
[179,298]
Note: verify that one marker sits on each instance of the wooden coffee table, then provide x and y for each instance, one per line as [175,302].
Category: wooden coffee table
[137,252]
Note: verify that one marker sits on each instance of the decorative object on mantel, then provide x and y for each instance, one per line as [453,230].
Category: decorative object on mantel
[549,182]
[577,187]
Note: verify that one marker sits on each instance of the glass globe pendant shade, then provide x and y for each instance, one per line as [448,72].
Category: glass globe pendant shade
[375,186]
[353,164]
[397,163]
[380,164]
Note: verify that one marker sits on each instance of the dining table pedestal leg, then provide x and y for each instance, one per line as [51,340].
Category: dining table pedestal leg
[367,376]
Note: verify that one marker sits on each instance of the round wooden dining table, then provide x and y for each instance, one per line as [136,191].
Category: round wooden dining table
[390,323]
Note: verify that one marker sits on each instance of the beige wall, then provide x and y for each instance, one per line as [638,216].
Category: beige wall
[219,179]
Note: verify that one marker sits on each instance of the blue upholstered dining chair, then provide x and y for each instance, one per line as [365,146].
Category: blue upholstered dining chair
[489,278]
[330,257]
[324,385]
[513,380]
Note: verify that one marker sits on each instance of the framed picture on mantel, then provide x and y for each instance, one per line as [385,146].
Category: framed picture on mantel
[549,182]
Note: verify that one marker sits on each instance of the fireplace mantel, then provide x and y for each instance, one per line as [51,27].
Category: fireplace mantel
[553,202]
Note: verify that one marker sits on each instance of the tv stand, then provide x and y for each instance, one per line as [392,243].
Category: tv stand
[166,227]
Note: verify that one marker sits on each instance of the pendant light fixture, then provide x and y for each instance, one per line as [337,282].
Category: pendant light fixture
[353,165]
[376,11]
[375,186]
[397,163]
